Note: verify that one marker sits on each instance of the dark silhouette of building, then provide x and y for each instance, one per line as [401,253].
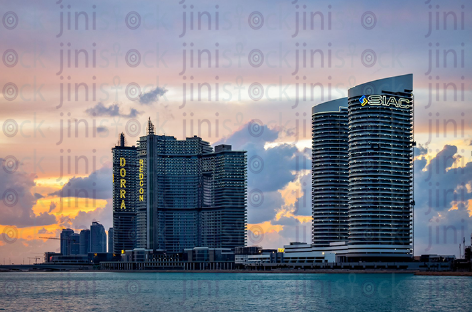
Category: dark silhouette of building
[66,241]
[110,240]
[74,244]
[98,238]
[84,242]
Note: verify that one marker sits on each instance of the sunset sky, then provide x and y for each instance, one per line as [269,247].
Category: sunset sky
[228,72]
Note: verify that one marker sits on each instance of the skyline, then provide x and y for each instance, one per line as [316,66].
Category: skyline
[264,126]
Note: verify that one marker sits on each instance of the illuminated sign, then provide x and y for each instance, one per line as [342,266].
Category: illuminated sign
[281,250]
[377,100]
[141,180]
[122,182]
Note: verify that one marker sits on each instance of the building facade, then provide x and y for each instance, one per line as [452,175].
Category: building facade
[125,196]
[110,240]
[188,195]
[75,244]
[98,238]
[84,242]
[66,241]
[330,173]
[381,169]
[362,173]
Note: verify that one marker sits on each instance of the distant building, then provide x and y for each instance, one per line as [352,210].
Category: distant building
[65,241]
[74,244]
[255,255]
[98,238]
[125,196]
[84,242]
[110,240]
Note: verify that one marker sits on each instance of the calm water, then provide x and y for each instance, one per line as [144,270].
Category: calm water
[233,292]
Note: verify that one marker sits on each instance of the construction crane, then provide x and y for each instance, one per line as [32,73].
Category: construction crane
[59,238]
[35,259]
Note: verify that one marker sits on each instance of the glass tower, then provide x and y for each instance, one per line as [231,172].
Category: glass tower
[98,238]
[380,169]
[84,242]
[330,176]
[125,196]
[189,196]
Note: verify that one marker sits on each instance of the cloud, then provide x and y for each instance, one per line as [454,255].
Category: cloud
[44,231]
[420,150]
[38,196]
[17,202]
[302,206]
[269,170]
[52,206]
[293,231]
[442,198]
[97,185]
[152,96]
[101,129]
[83,220]
[272,168]
[263,208]
[111,111]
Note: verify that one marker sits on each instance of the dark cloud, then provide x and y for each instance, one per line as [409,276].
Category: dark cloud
[96,186]
[259,211]
[152,96]
[44,231]
[101,129]
[442,202]
[302,206]
[104,215]
[420,150]
[83,220]
[38,196]
[111,111]
[269,169]
[17,201]
[286,221]
[52,206]
[442,180]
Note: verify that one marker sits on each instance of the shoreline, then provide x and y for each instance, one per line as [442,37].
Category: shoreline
[347,271]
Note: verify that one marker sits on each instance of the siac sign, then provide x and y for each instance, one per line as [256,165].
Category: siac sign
[386,101]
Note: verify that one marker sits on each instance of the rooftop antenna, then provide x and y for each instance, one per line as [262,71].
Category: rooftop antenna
[122,141]
[150,127]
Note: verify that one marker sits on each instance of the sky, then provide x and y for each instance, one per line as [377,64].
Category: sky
[246,73]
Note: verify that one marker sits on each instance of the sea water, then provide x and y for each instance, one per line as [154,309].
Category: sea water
[102,291]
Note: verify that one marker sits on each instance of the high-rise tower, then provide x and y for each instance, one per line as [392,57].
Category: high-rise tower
[125,196]
[189,196]
[330,175]
[380,169]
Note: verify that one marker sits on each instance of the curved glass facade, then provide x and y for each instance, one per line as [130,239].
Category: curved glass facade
[380,168]
[330,172]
